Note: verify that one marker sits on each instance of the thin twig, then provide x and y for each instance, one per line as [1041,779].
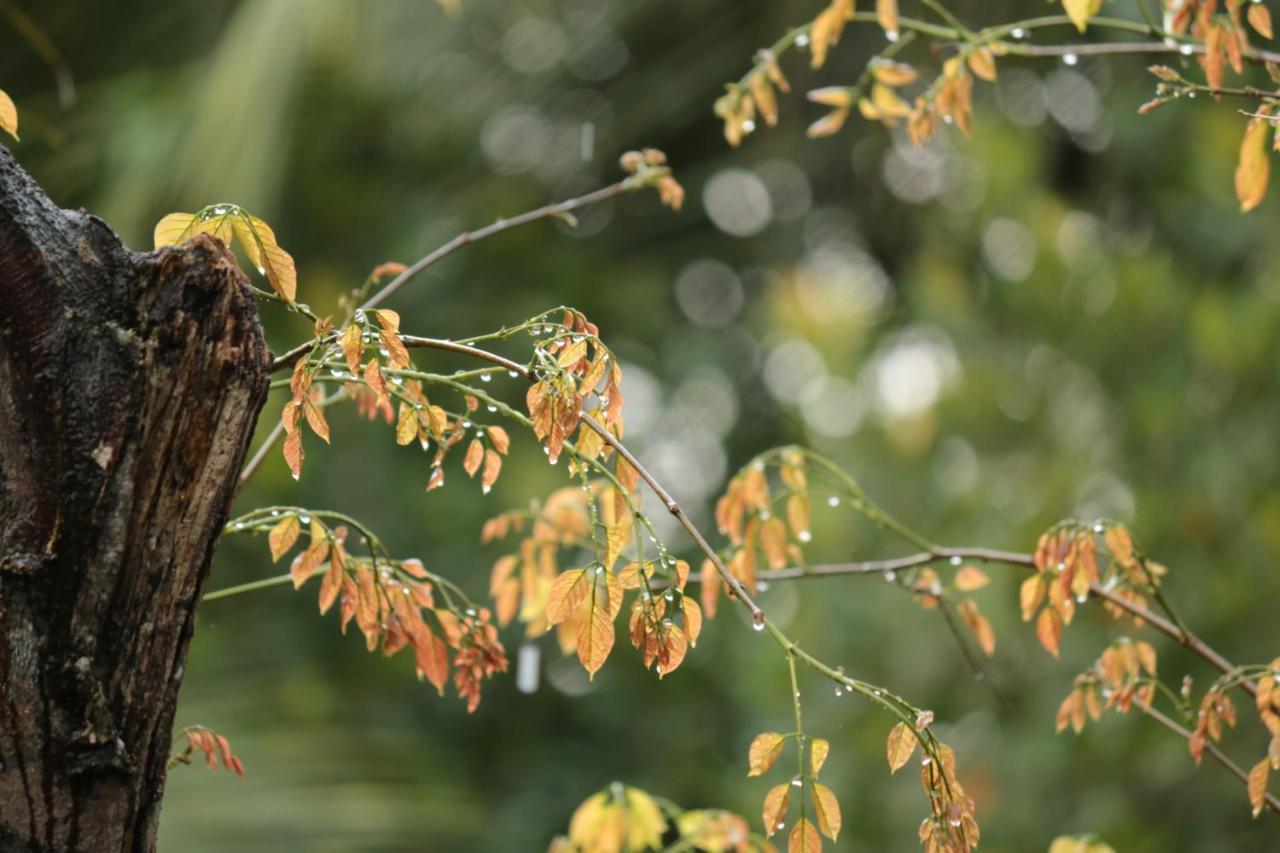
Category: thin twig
[560,208]
[1221,757]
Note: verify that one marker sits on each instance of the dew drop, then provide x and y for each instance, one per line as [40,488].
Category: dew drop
[1186,50]
[485,489]
[757,623]
[1098,528]
[748,126]
[1070,59]
[512,374]
[891,35]
[955,561]
[485,377]
[926,761]
[796,783]
[890,577]
[839,691]
[833,501]
[802,40]
[804,536]
[304,519]
[762,586]
[275,513]
[1018,32]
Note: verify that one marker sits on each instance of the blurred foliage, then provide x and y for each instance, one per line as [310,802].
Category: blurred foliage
[1064,315]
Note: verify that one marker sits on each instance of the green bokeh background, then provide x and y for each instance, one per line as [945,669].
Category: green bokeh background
[1092,322]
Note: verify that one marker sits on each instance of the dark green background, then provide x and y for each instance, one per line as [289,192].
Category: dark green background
[1104,319]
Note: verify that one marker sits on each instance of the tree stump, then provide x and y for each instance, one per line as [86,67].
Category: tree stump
[130,384]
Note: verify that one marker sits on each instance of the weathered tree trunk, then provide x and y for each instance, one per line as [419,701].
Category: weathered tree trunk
[129,387]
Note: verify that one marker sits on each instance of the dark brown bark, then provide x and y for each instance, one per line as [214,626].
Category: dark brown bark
[129,387]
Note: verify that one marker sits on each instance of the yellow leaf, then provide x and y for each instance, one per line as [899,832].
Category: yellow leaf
[407,425]
[174,228]
[983,64]
[798,516]
[1030,595]
[804,838]
[1254,166]
[969,578]
[646,825]
[828,810]
[567,592]
[1080,11]
[1258,785]
[887,16]
[492,467]
[282,536]
[900,746]
[8,115]
[388,319]
[773,541]
[595,640]
[572,354]
[692,619]
[763,752]
[617,537]
[273,261]
[775,807]
[353,347]
[1259,18]
[829,124]
[819,748]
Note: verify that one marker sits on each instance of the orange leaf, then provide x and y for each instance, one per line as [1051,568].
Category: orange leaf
[1254,166]
[1258,785]
[804,838]
[595,640]
[475,455]
[332,583]
[692,619]
[828,810]
[969,579]
[282,536]
[1030,594]
[567,592]
[764,752]
[1049,630]
[775,807]
[498,438]
[900,746]
[1259,17]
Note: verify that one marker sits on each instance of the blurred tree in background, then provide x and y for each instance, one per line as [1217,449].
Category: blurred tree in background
[1063,315]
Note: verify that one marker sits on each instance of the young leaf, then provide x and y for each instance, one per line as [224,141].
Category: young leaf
[1259,17]
[819,748]
[595,640]
[969,579]
[8,115]
[567,592]
[173,229]
[887,16]
[498,438]
[775,807]
[763,752]
[1049,630]
[1080,11]
[804,838]
[900,746]
[282,536]
[475,455]
[1258,785]
[692,619]
[1254,166]
[828,810]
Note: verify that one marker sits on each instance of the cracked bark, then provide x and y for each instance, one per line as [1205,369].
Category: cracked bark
[129,387]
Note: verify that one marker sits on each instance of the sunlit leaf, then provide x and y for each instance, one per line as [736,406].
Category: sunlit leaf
[8,115]
[899,747]
[1258,776]
[173,229]
[764,752]
[283,535]
[1254,166]
[970,578]
[828,810]
[1260,19]
[819,749]
[804,838]
[595,640]
[775,807]
[567,592]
